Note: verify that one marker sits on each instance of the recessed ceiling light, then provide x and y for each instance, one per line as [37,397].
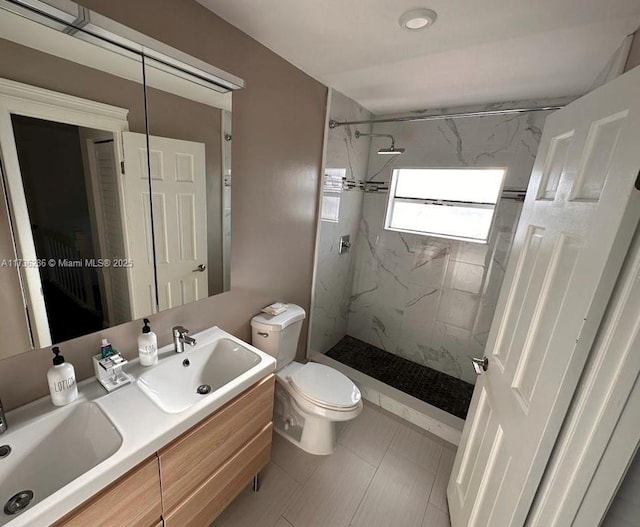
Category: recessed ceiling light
[416,19]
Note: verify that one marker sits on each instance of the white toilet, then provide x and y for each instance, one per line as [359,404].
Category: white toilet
[310,398]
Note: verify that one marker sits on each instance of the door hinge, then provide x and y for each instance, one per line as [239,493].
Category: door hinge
[122,167]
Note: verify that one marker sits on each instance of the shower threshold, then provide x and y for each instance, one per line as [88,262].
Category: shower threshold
[438,389]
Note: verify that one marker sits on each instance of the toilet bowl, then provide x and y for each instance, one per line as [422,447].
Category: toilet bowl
[310,398]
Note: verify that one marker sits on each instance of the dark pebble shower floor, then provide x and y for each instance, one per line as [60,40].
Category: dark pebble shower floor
[431,386]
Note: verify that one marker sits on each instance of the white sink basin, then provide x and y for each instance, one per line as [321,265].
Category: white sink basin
[184,379]
[52,450]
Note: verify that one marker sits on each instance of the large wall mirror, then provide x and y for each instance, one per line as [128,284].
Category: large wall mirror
[116,175]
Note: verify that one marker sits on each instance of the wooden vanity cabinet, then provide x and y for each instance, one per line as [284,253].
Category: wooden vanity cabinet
[191,480]
[134,500]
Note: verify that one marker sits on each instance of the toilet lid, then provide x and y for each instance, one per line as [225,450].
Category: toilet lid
[325,385]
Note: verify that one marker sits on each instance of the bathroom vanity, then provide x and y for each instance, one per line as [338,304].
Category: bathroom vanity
[192,479]
[129,459]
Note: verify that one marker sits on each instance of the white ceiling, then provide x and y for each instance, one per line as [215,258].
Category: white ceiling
[477,52]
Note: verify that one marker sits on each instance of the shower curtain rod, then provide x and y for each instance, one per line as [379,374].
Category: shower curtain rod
[412,118]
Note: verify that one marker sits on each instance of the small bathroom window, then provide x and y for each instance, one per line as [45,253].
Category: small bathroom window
[444,202]
[331,189]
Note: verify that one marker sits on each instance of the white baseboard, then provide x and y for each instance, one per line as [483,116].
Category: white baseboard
[424,415]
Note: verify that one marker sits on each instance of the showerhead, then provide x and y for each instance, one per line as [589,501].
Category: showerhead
[391,151]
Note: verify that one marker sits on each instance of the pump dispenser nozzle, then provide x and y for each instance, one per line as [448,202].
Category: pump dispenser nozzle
[57,359]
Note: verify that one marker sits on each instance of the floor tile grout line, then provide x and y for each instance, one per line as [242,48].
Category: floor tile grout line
[426,506]
[364,494]
[365,460]
[439,508]
[428,497]
[294,495]
[293,477]
[378,409]
[437,471]
[391,442]
[374,475]
[401,453]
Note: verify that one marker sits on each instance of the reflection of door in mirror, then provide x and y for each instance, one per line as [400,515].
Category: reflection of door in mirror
[189,250]
[75,215]
[177,170]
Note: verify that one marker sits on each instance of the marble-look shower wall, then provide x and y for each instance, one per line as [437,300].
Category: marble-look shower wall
[428,299]
[334,272]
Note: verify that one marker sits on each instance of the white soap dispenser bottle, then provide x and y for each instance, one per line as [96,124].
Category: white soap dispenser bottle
[62,380]
[147,345]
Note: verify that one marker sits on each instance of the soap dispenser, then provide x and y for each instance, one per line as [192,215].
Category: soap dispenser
[147,345]
[62,380]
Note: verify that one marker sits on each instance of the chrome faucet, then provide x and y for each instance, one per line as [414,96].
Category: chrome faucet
[3,420]
[181,337]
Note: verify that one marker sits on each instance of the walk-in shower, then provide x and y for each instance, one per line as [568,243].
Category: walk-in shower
[408,308]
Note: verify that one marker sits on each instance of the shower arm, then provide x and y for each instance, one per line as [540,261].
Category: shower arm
[361,134]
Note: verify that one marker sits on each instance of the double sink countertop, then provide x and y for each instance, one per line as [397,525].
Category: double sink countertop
[144,427]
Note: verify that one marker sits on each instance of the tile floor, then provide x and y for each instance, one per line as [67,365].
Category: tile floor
[384,473]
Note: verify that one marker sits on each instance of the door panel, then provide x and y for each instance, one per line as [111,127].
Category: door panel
[138,232]
[177,170]
[179,220]
[575,228]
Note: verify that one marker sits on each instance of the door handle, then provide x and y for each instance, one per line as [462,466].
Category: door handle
[200,269]
[480,365]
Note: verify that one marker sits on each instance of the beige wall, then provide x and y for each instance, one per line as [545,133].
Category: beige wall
[278,126]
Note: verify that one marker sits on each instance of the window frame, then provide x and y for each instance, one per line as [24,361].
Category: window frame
[391,199]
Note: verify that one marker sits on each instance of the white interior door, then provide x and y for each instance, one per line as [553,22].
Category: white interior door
[576,225]
[179,219]
[137,227]
[178,177]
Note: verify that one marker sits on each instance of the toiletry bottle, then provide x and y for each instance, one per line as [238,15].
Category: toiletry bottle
[62,380]
[148,345]
[106,349]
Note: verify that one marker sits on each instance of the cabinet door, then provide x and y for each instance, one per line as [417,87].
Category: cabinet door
[213,496]
[192,458]
[132,501]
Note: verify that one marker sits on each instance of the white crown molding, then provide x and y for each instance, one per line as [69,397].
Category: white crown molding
[24,92]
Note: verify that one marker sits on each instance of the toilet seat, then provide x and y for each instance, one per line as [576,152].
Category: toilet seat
[325,387]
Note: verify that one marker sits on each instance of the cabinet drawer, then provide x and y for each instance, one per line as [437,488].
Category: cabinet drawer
[192,458]
[132,501]
[211,498]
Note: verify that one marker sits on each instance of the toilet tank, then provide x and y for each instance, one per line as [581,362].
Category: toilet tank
[278,335]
